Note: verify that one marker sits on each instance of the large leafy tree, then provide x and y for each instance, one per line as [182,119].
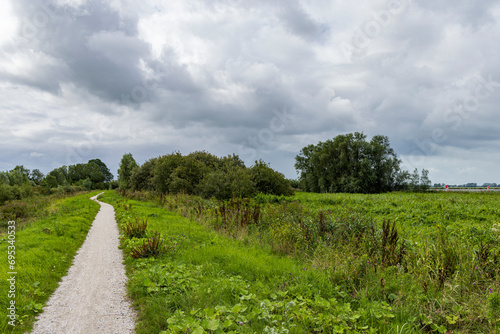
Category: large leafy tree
[97,171]
[349,163]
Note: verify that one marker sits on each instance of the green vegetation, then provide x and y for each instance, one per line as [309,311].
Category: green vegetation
[44,251]
[21,183]
[201,173]
[350,164]
[92,175]
[351,263]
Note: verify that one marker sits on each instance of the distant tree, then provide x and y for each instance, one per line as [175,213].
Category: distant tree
[220,184]
[36,176]
[4,178]
[61,175]
[204,174]
[78,172]
[269,181]
[294,183]
[18,176]
[87,184]
[98,172]
[425,183]
[348,163]
[209,160]
[127,165]
[50,181]
[142,177]
[164,167]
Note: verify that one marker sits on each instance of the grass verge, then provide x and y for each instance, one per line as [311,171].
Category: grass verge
[43,252]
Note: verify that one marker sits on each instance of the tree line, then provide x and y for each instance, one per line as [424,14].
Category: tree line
[20,182]
[346,163]
[201,173]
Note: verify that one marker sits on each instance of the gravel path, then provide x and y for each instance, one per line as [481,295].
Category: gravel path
[92,297]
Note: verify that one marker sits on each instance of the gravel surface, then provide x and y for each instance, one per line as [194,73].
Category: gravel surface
[92,297]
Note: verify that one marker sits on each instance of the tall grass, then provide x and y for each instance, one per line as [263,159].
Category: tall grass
[433,258]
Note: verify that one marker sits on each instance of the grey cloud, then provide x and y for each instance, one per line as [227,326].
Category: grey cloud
[216,78]
[301,24]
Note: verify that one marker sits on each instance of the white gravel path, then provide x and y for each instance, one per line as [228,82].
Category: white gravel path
[92,299]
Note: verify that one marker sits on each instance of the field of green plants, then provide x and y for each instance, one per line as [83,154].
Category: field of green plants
[48,232]
[325,263]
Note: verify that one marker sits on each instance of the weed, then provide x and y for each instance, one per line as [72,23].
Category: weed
[135,229]
[154,245]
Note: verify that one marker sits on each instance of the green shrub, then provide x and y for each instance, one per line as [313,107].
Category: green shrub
[269,181]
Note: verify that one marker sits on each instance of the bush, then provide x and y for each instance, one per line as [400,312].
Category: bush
[201,173]
[269,181]
[14,210]
[6,193]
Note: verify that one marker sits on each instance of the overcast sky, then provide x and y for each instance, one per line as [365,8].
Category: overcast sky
[89,79]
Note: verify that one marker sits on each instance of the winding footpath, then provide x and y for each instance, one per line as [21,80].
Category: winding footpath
[92,297]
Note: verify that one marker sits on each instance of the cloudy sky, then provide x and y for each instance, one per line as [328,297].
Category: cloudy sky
[84,79]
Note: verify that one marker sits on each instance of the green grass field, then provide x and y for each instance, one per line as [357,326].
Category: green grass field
[43,250]
[326,263]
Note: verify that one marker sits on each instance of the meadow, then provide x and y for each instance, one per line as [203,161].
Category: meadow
[325,263]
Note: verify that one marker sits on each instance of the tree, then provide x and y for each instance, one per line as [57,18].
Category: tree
[142,177]
[98,172]
[269,181]
[36,176]
[348,163]
[61,175]
[127,165]
[425,183]
[50,181]
[18,176]
[223,185]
